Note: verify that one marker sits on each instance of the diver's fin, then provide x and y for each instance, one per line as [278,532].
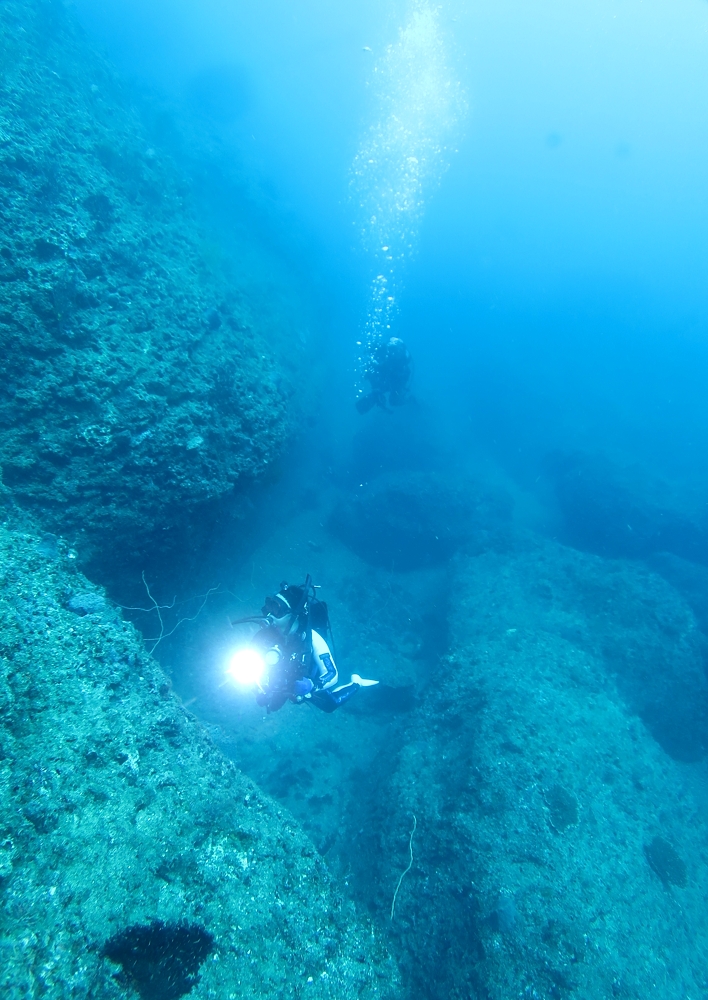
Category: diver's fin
[362,682]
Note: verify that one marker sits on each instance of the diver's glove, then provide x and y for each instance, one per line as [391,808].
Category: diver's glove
[362,681]
[302,688]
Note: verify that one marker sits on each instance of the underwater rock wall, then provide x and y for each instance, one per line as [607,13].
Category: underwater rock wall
[133,855]
[136,383]
[559,850]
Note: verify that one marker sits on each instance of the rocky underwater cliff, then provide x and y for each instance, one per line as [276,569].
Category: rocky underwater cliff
[138,383]
[134,858]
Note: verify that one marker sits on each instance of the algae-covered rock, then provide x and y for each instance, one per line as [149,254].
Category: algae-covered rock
[558,850]
[136,382]
[133,855]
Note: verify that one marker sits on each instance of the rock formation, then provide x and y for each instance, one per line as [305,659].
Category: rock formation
[137,383]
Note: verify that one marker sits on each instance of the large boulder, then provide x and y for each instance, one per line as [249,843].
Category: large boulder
[620,510]
[534,836]
[408,520]
[137,383]
[133,856]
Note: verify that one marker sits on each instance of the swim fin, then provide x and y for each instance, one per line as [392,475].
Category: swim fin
[362,682]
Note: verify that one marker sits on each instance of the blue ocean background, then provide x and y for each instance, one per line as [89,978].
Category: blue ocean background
[519,553]
[556,292]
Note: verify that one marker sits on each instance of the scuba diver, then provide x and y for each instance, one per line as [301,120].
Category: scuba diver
[292,659]
[388,371]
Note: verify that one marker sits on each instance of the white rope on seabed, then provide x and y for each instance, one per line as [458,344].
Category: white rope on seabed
[410,865]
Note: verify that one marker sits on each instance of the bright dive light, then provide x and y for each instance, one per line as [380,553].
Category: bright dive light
[247,667]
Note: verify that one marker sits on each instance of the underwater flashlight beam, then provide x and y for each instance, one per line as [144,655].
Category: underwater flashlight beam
[246,667]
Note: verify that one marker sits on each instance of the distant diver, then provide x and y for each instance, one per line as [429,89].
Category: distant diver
[388,371]
[288,659]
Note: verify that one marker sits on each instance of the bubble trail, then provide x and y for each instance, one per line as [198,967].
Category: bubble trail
[402,158]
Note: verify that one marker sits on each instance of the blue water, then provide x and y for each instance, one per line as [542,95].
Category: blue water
[519,192]
[553,293]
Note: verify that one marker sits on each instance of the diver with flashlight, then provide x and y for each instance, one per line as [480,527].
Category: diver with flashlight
[288,658]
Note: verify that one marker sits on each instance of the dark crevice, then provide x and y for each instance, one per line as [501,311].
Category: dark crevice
[160,961]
